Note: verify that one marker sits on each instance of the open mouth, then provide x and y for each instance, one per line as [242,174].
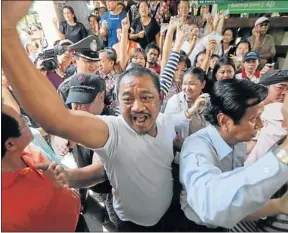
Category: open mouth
[140,120]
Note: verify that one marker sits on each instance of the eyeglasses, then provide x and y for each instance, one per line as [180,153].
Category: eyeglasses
[26,124]
[264,24]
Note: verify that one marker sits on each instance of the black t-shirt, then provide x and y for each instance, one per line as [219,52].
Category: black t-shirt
[151,30]
[74,33]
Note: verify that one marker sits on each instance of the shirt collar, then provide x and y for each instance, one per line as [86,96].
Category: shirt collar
[244,75]
[221,147]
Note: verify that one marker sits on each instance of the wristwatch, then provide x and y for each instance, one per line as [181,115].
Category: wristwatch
[282,155]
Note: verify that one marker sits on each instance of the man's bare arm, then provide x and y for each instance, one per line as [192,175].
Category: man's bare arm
[40,100]
[87,176]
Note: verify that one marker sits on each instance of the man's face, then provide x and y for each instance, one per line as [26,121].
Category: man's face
[276,92]
[242,49]
[251,65]
[119,32]
[139,103]
[111,5]
[152,56]
[200,60]
[249,125]
[225,72]
[179,72]
[19,144]
[95,108]
[263,27]
[106,65]
[213,62]
[183,9]
[86,66]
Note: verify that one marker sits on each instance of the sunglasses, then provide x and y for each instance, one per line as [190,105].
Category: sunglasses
[263,24]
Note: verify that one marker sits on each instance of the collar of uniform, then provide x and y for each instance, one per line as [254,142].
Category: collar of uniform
[221,147]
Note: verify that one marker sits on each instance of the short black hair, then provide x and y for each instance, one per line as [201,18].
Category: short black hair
[233,97]
[198,54]
[10,129]
[198,72]
[90,16]
[139,71]
[184,58]
[152,46]
[215,55]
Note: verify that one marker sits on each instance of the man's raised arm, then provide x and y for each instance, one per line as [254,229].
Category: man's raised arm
[36,93]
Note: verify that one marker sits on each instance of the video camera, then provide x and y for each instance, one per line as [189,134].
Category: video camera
[49,57]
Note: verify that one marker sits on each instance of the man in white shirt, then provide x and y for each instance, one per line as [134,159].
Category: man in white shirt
[135,148]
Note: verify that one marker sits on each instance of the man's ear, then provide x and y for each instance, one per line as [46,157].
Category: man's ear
[224,121]
[10,145]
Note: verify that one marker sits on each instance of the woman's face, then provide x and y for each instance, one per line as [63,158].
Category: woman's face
[192,87]
[204,10]
[68,15]
[242,49]
[227,36]
[179,72]
[225,72]
[143,9]
[139,59]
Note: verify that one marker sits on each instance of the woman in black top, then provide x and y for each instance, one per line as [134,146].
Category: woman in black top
[71,29]
[145,28]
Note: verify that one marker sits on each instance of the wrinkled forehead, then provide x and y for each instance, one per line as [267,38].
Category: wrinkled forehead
[130,83]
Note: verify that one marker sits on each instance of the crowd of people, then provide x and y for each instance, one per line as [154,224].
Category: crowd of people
[172,124]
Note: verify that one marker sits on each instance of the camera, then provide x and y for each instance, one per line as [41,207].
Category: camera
[49,57]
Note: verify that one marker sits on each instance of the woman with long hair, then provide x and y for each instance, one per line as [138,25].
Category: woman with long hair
[70,29]
[145,28]
[224,69]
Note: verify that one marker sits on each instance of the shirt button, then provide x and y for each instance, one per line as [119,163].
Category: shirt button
[267,170]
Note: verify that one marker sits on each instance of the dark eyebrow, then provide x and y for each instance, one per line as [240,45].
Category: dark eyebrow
[126,93]
[146,92]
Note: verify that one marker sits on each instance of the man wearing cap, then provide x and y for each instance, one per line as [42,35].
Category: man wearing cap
[86,93]
[261,42]
[249,70]
[273,131]
[86,61]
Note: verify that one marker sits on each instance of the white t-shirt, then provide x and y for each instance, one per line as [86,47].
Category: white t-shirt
[139,168]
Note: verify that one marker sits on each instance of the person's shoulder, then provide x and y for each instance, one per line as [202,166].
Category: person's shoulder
[63,23]
[269,37]
[105,15]
[123,13]
[79,24]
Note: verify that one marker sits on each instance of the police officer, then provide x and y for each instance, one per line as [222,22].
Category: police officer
[87,61]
